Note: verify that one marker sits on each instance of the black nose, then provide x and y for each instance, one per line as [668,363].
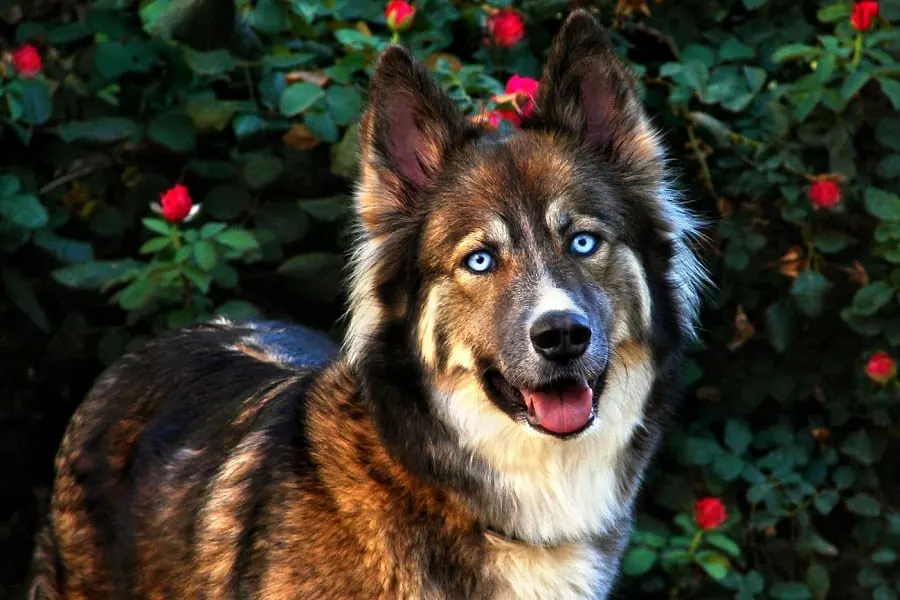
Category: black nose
[560,336]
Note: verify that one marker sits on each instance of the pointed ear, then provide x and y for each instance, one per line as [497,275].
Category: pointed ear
[407,132]
[587,92]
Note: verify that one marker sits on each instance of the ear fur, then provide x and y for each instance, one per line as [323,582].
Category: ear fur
[588,93]
[407,132]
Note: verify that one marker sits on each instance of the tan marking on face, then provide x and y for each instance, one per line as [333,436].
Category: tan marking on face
[426,327]
[626,261]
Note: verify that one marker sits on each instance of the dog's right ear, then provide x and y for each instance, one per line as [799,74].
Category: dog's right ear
[407,131]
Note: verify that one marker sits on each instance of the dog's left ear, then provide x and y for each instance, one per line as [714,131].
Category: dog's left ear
[587,92]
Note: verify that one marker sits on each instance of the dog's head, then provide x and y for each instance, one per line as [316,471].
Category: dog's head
[534,276]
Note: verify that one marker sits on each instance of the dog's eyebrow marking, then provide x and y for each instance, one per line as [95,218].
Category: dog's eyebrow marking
[556,216]
[495,232]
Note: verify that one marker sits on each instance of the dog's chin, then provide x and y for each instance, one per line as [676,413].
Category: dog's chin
[563,408]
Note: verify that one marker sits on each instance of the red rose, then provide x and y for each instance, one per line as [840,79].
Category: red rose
[505,27]
[824,193]
[864,13]
[176,204]
[399,15]
[522,86]
[881,368]
[709,513]
[27,61]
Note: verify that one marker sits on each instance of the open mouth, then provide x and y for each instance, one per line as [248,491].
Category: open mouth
[563,408]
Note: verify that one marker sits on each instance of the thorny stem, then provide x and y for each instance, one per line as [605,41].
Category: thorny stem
[701,158]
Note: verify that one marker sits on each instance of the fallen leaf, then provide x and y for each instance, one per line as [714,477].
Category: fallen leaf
[300,138]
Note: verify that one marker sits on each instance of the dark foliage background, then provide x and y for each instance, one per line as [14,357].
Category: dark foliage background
[251,105]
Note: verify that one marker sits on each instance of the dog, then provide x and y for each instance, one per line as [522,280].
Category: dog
[519,306]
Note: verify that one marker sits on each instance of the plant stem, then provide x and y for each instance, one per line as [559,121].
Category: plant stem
[857,50]
[175,235]
[695,542]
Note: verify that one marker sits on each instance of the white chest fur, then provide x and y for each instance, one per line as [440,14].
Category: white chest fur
[574,571]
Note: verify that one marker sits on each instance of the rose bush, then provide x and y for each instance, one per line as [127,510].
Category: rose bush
[166,161]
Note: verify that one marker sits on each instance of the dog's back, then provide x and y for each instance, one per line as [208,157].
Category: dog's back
[165,461]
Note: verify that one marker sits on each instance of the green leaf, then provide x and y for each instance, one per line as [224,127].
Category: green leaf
[326,209]
[34,95]
[103,130]
[889,167]
[835,12]
[724,543]
[713,125]
[891,89]
[154,245]
[832,242]
[790,590]
[205,255]
[216,62]
[64,249]
[882,204]
[858,445]
[344,103]
[93,275]
[157,226]
[737,436]
[863,504]
[754,4]
[344,161]
[638,561]
[9,185]
[25,210]
[854,82]
[137,293]
[794,51]
[727,466]
[298,97]
[19,292]
[825,501]
[868,300]
[715,565]
[779,325]
[756,78]
[262,169]
[734,49]
[884,556]
[210,113]
[818,580]
[321,125]
[174,131]
[211,229]
[809,290]
[239,239]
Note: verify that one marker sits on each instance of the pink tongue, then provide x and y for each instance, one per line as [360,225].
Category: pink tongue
[561,411]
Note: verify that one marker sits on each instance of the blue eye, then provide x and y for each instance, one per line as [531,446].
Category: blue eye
[480,261]
[583,244]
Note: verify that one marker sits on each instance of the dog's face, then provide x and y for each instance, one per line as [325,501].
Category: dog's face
[528,279]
